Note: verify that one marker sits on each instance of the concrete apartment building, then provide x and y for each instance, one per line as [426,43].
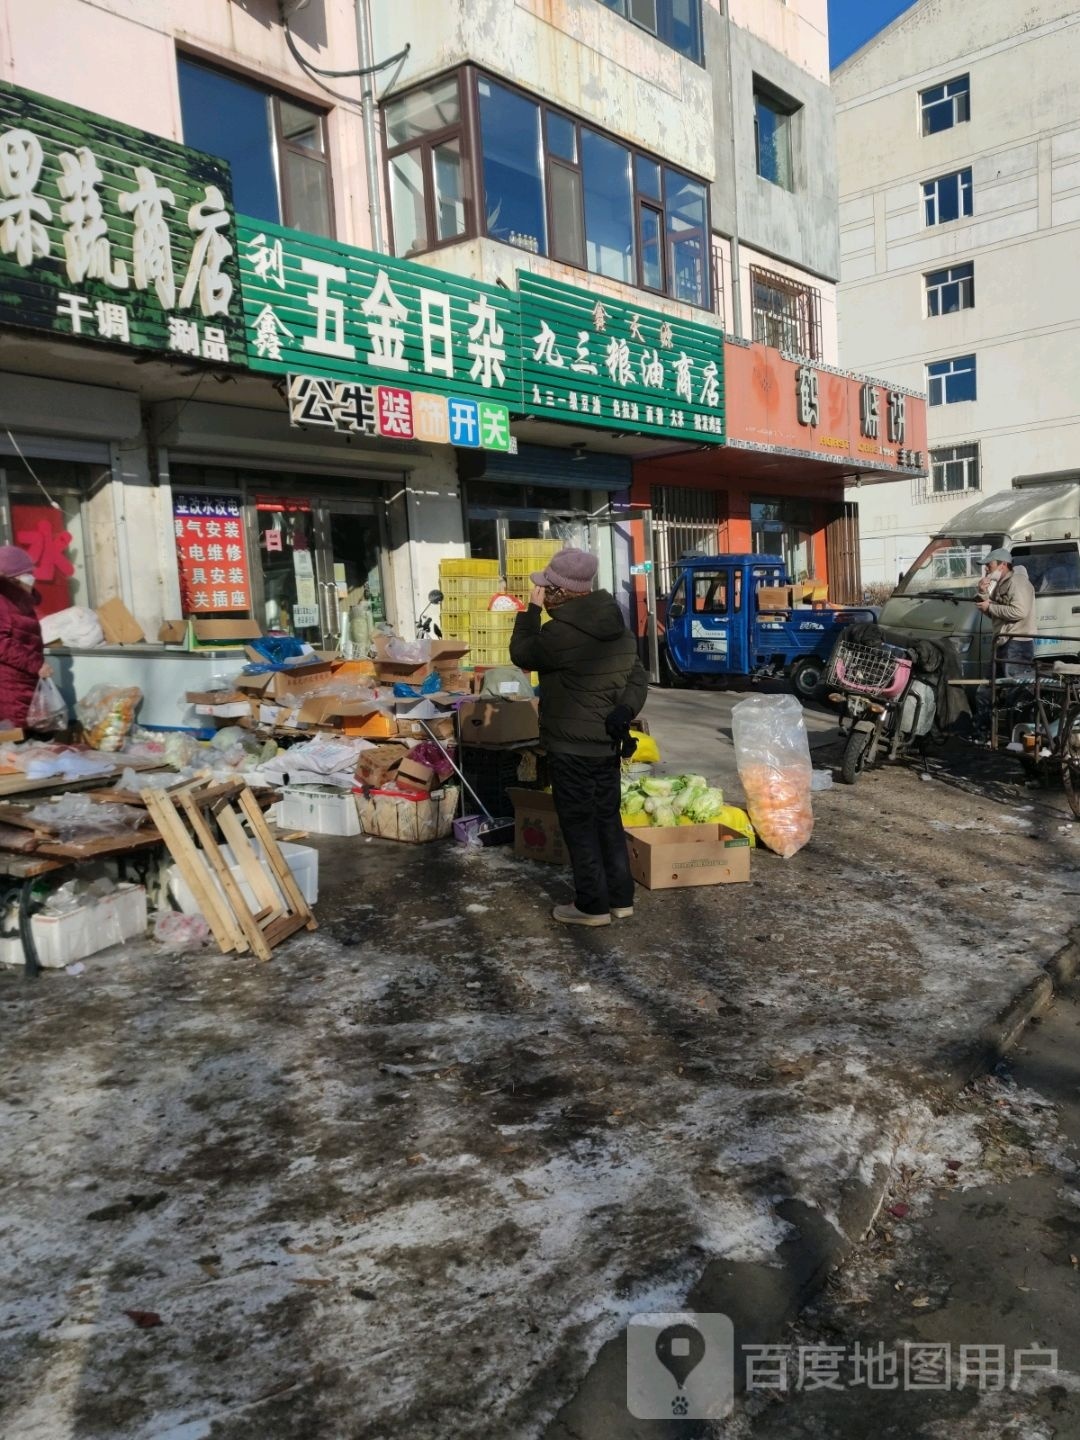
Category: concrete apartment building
[958,133]
[505,170]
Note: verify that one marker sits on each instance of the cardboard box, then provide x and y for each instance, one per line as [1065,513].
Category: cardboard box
[448,653]
[395,672]
[411,775]
[118,624]
[441,727]
[377,765]
[670,858]
[456,682]
[775,597]
[510,688]
[536,827]
[487,721]
[209,634]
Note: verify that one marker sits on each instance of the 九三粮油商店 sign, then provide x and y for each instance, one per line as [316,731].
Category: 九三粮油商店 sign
[112,234]
[591,360]
[324,311]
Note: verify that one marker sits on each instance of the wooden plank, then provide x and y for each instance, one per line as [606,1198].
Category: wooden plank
[275,859]
[28,867]
[184,853]
[101,847]
[16,838]
[281,929]
[19,816]
[253,869]
[191,804]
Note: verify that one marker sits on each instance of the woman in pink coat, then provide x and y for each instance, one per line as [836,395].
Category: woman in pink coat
[22,651]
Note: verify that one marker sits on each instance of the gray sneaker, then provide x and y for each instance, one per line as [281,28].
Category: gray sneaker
[622,912]
[571,915]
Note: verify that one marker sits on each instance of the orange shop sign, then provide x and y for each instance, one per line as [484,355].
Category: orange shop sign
[778,403]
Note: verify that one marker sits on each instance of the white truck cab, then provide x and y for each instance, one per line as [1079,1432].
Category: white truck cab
[1039,521]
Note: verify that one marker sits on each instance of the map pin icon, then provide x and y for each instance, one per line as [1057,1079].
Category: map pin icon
[680,1349]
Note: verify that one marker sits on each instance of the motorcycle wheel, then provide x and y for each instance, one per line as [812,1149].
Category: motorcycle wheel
[851,766]
[806,678]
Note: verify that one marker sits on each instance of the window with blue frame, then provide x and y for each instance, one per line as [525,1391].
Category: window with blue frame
[675,22]
[275,145]
[948,197]
[943,106]
[550,185]
[950,382]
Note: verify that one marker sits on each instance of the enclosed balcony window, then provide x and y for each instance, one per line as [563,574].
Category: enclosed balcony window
[676,22]
[548,184]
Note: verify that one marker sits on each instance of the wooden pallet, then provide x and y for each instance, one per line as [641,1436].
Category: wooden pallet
[187,820]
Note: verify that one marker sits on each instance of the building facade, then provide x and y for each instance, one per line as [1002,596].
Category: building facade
[372,286]
[959,148]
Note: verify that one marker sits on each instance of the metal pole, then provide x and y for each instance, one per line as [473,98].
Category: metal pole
[365,50]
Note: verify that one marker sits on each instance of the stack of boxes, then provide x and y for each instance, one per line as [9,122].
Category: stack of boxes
[467,587]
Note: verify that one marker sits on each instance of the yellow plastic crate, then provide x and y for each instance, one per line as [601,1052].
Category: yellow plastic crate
[475,568]
[528,550]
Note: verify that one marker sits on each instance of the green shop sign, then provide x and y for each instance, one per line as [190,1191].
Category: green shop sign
[111,234]
[432,352]
[591,360]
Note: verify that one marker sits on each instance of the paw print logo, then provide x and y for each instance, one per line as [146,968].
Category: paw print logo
[680,1406]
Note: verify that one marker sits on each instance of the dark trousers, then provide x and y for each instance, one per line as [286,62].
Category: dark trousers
[1012,661]
[587,799]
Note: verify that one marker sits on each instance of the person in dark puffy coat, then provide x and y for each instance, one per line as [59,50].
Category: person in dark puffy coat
[592,684]
[22,650]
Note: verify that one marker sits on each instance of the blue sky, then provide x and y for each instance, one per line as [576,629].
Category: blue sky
[853,22]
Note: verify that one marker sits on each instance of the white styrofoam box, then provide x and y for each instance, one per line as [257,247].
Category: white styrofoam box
[320,809]
[302,860]
[62,939]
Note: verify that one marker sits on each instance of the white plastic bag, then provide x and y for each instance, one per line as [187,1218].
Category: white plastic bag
[773,756]
[48,709]
[77,627]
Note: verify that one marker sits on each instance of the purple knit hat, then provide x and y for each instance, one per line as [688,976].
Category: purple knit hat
[14,562]
[571,570]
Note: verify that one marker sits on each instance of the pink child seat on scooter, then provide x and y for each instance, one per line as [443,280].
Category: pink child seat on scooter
[891,691]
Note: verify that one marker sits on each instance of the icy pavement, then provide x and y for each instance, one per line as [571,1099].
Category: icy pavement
[411,1175]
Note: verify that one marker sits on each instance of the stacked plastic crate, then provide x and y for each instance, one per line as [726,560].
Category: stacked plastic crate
[523,557]
[467,587]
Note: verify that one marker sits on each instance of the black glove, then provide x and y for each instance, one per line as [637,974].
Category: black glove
[617,726]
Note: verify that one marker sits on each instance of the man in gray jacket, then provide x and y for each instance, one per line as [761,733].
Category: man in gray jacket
[592,684]
[1007,597]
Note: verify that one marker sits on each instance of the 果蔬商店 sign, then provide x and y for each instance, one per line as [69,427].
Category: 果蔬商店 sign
[113,235]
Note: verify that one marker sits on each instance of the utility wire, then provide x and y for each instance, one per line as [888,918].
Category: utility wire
[338,74]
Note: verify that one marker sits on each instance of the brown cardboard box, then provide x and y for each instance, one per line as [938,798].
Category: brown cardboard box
[486,721]
[441,727]
[375,766]
[448,653]
[223,704]
[668,858]
[210,634]
[455,682]
[394,672]
[536,827]
[118,624]
[775,597]
[524,691]
[411,775]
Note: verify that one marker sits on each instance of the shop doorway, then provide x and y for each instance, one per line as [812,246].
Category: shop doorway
[783,528]
[321,571]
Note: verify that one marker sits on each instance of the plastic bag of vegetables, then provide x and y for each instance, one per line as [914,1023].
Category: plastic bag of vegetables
[773,756]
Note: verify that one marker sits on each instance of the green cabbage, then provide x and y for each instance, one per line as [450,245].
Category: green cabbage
[656,785]
[633,803]
[691,782]
[705,806]
[663,815]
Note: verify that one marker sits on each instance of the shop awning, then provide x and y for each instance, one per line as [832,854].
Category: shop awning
[546,465]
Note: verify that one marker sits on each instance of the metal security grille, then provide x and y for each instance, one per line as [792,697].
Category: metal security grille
[684,520]
[787,315]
